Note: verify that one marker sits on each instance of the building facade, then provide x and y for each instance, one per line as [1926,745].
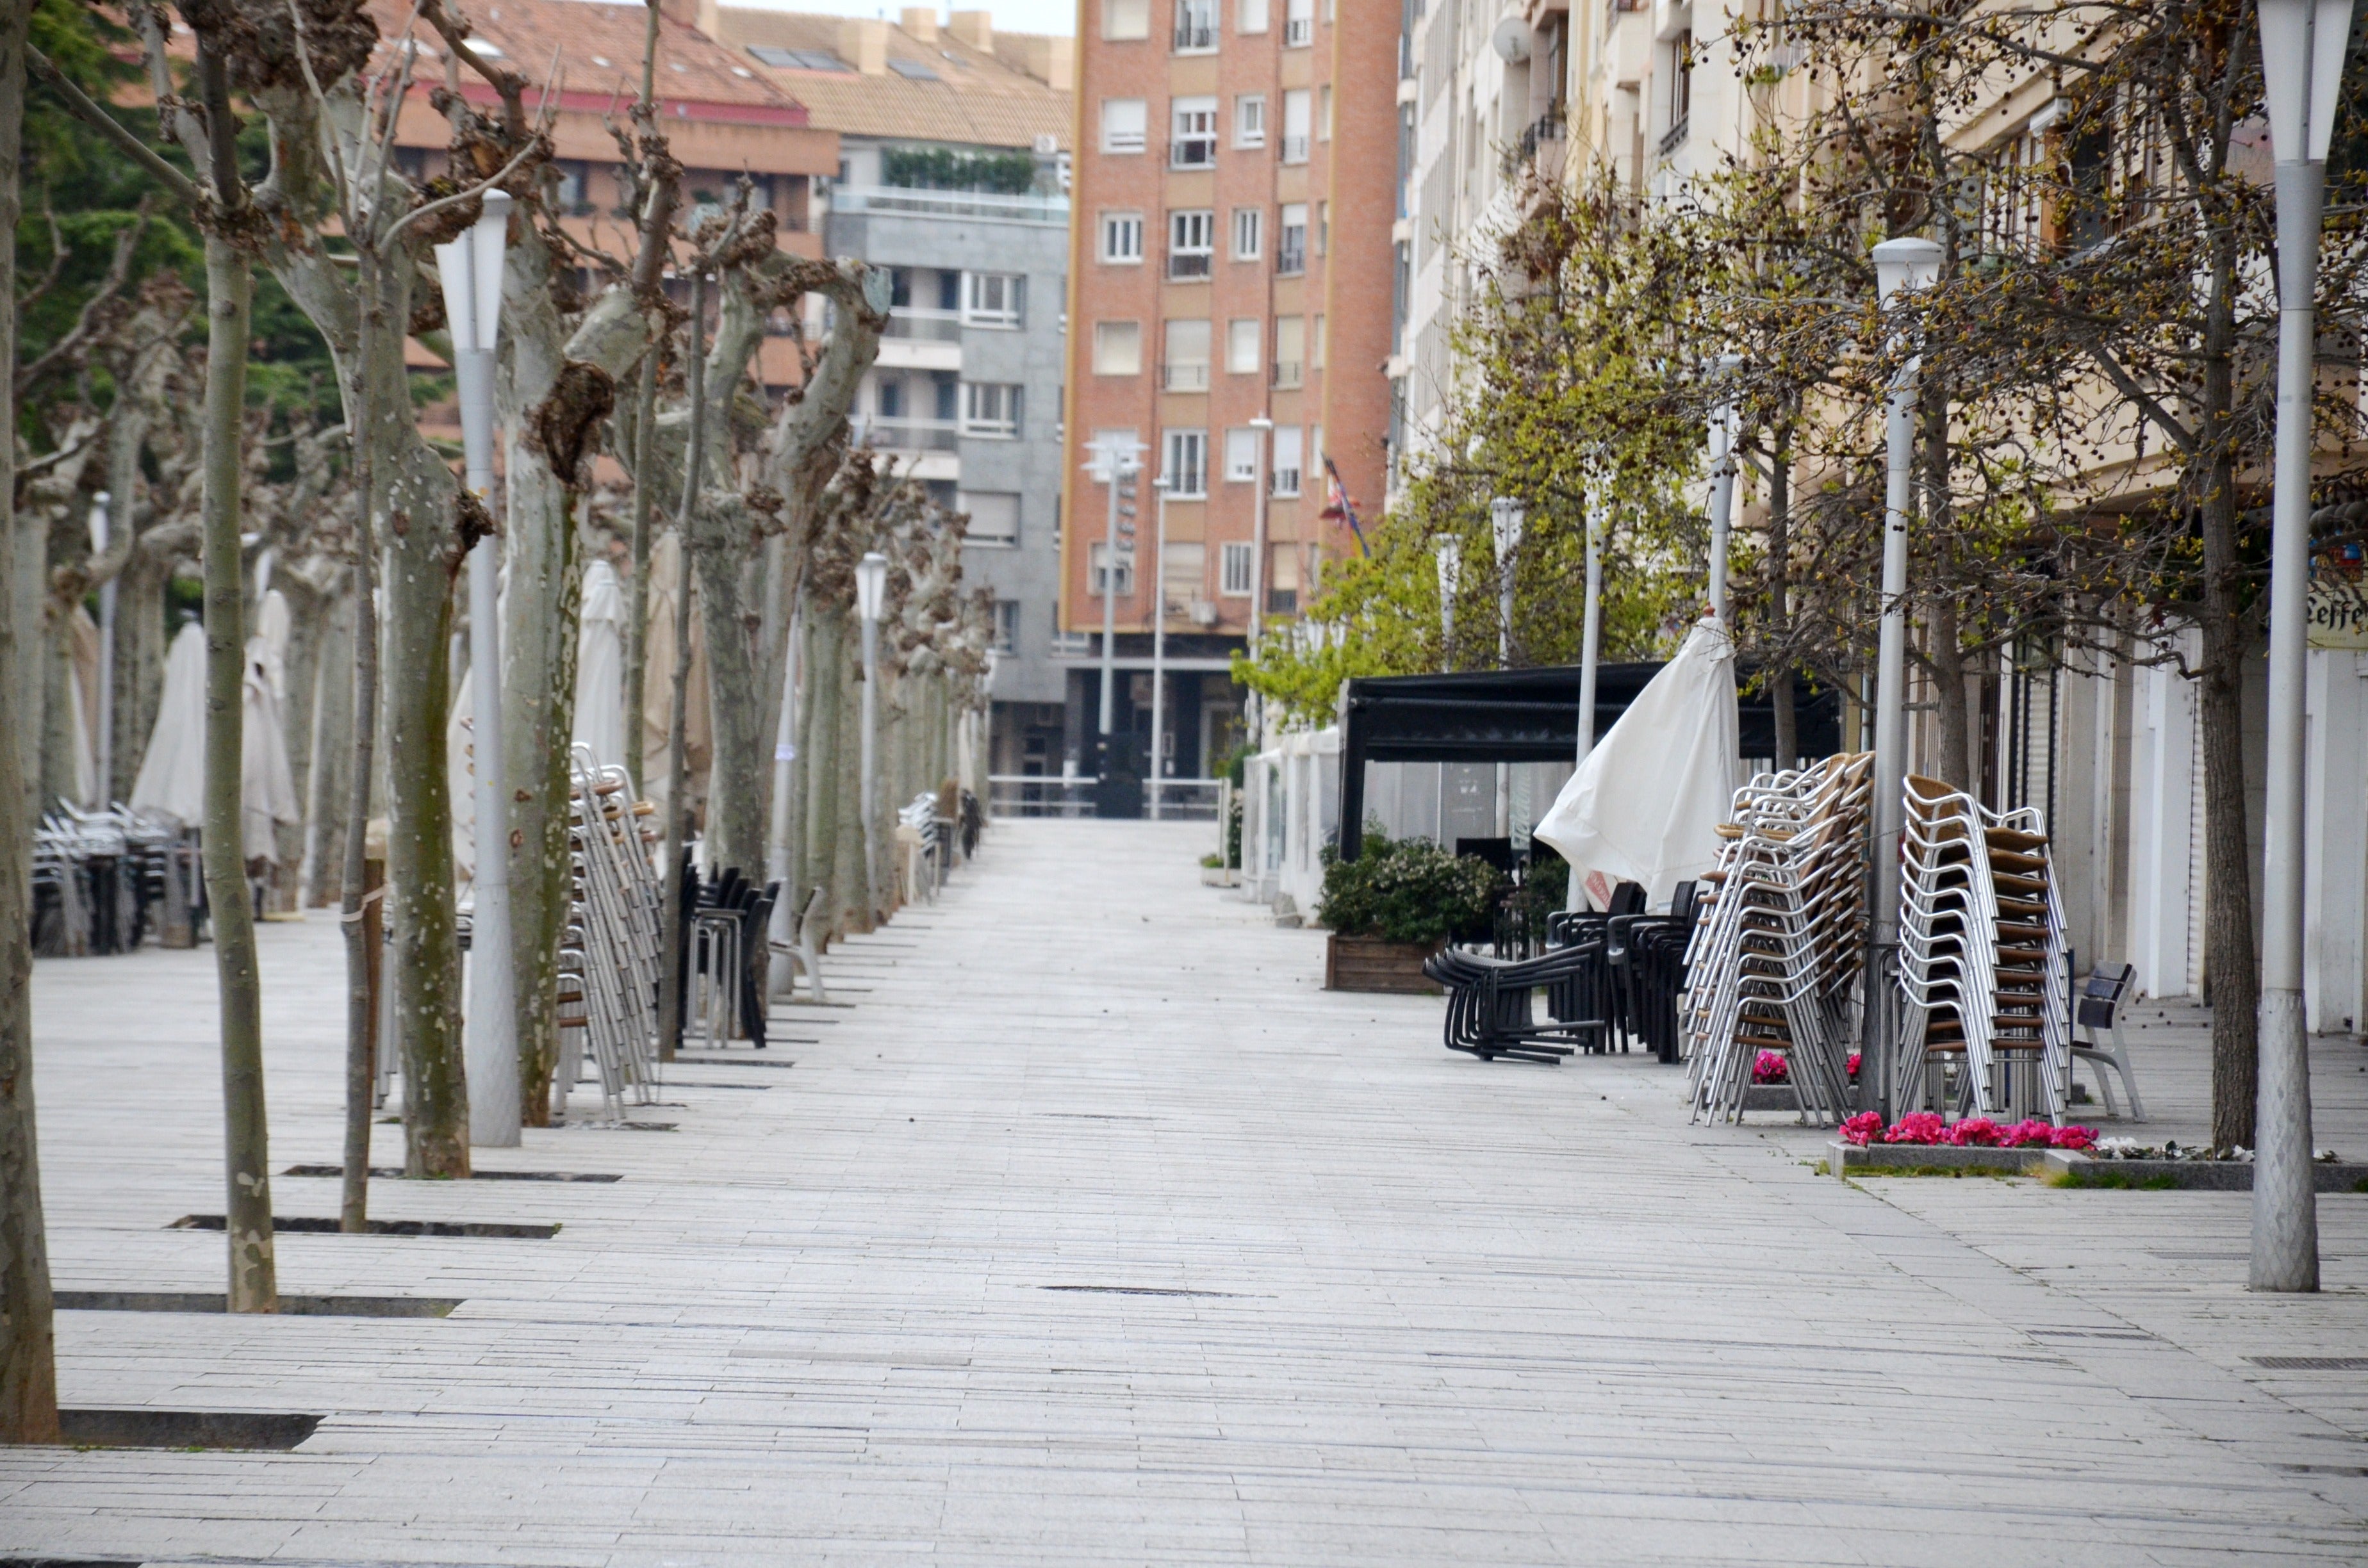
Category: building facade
[1231,278]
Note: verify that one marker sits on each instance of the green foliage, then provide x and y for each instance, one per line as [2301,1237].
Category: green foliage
[1407,890]
[942,168]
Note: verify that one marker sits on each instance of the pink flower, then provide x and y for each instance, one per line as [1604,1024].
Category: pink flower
[1862,1128]
[1917,1127]
[2072,1138]
[1974,1132]
[1770,1067]
[1853,1066]
[2030,1133]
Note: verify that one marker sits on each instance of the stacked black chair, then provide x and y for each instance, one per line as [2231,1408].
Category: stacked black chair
[1489,1003]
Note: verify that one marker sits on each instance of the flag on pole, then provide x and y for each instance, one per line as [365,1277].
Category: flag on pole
[1338,504]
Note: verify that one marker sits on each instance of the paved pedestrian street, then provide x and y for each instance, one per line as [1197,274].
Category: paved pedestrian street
[1088,1229]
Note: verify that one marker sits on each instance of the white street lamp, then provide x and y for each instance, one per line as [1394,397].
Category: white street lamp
[1901,266]
[1726,422]
[1448,549]
[871,592]
[1160,485]
[471,270]
[1506,520]
[1263,440]
[2302,70]
[99,517]
[1590,647]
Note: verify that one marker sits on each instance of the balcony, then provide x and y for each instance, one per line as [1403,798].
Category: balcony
[1195,34]
[1298,32]
[1675,137]
[899,201]
[1282,601]
[1192,152]
[1294,149]
[1287,375]
[1286,484]
[927,327]
[1184,266]
[900,435]
[1185,378]
[1290,255]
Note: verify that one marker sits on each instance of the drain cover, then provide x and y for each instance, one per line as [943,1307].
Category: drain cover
[2311,1363]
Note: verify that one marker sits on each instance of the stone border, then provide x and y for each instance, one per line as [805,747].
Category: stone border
[1845,1160]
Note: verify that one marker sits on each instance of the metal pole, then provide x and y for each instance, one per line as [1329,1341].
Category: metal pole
[1722,509]
[1902,263]
[1113,469]
[1589,650]
[2285,1202]
[101,520]
[1158,639]
[868,763]
[781,865]
[1447,552]
[1506,515]
[491,1056]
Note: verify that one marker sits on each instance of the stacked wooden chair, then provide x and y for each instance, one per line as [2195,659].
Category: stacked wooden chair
[1778,940]
[1982,961]
[609,961]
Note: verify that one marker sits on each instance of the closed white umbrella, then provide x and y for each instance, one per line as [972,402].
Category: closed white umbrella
[173,771]
[657,702]
[267,784]
[1647,804]
[601,666]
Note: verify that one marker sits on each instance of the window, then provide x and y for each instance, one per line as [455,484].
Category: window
[801,58]
[1249,233]
[1290,351]
[1122,238]
[1118,348]
[993,298]
[1192,242]
[1298,23]
[1295,115]
[947,392]
[1187,464]
[1192,134]
[991,409]
[1681,86]
[994,517]
[1101,556]
[1324,112]
[1242,347]
[1123,125]
[1291,244]
[1125,19]
[1006,626]
[949,292]
[1253,16]
[1316,346]
[1183,569]
[1186,369]
[1234,571]
[1196,26]
[890,399]
[1287,439]
[575,186]
[1323,227]
[1241,457]
[1250,120]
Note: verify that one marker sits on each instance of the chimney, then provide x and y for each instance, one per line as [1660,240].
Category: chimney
[921,21]
[683,11]
[1051,60]
[975,29]
[864,45]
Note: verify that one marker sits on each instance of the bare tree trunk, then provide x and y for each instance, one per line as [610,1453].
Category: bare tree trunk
[735,799]
[254,1280]
[670,975]
[817,762]
[28,1369]
[2229,966]
[333,745]
[1780,597]
[362,720]
[1948,663]
[637,620]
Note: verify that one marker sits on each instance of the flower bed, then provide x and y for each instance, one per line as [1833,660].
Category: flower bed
[1925,1128]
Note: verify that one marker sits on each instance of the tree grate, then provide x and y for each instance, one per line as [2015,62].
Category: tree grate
[395,1173]
[2311,1363]
[309,1226]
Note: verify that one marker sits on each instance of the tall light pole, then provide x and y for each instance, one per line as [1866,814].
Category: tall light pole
[1449,551]
[1160,485]
[1264,436]
[2302,69]
[1900,266]
[1506,520]
[1116,467]
[1724,422]
[871,590]
[470,269]
[104,742]
[1591,646]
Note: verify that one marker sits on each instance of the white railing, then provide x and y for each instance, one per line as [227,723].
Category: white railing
[1034,795]
[899,199]
[1182,799]
[931,326]
[907,435]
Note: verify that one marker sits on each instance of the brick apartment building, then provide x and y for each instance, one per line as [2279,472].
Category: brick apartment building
[1230,261]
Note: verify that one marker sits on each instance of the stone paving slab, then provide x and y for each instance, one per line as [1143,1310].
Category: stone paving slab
[1096,1232]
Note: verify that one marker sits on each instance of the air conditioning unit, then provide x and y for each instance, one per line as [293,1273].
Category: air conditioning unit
[1204,612]
[1047,144]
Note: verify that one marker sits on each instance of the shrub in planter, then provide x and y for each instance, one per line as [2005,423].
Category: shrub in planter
[1407,889]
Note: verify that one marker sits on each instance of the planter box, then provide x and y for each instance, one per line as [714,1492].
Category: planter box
[1844,1159]
[1368,963]
[2216,1175]
[1220,876]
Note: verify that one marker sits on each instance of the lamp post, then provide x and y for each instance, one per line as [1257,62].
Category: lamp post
[1264,428]
[1160,486]
[2302,69]
[101,505]
[471,270]
[1900,266]
[1506,520]
[870,589]
[1590,648]
[1449,551]
[1724,422]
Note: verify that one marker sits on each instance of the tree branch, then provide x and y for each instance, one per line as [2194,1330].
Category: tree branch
[80,106]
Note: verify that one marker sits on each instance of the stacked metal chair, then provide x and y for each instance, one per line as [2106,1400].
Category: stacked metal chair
[1778,940]
[96,877]
[1982,961]
[609,963]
